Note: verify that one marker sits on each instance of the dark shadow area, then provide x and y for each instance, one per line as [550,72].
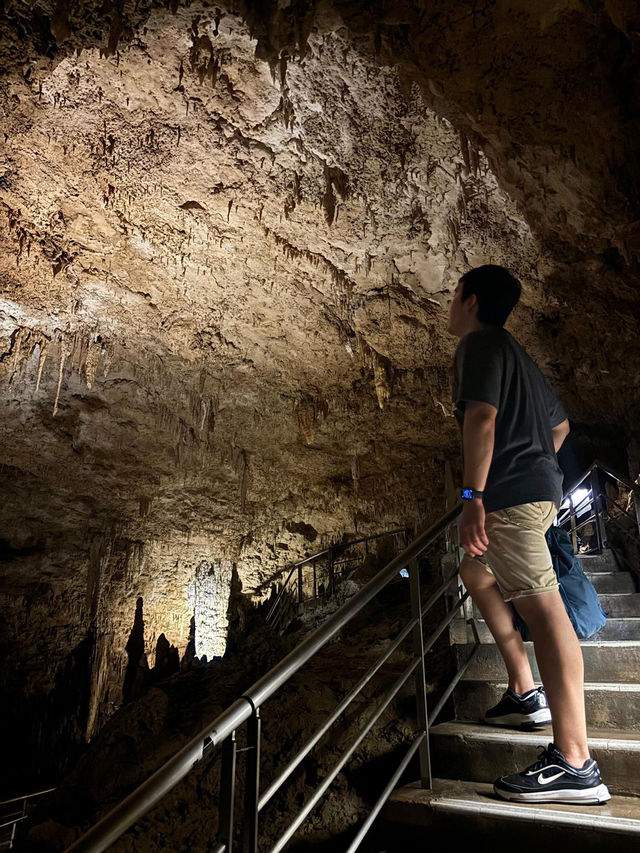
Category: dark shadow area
[48,730]
[10,552]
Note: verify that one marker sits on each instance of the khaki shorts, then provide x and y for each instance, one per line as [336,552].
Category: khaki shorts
[517,554]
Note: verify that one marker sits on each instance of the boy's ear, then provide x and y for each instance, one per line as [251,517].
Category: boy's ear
[471,301]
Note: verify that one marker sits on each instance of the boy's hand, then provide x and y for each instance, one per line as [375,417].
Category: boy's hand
[472,534]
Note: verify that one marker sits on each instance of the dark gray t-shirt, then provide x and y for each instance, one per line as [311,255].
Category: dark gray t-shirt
[490,366]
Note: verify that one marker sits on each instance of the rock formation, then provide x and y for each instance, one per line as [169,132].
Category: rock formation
[229,237]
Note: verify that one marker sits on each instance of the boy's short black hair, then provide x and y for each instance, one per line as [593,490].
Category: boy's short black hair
[496,289]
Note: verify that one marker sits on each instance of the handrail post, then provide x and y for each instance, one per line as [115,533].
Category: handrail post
[332,587]
[252,785]
[421,689]
[299,584]
[572,517]
[601,533]
[636,503]
[227,792]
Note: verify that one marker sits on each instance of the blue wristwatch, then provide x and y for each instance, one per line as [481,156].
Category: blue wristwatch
[470,494]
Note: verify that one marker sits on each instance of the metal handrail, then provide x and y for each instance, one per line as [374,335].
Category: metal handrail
[12,819]
[26,796]
[146,795]
[221,731]
[596,501]
[325,553]
[607,470]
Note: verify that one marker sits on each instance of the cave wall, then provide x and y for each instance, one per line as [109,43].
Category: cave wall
[229,237]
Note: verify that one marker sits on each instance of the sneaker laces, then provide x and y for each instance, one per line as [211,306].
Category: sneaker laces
[545,757]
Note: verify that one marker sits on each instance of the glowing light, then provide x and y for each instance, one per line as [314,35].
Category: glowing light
[580,498]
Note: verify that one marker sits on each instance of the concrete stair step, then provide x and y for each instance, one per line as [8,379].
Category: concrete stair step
[620,605]
[612,582]
[480,753]
[604,562]
[626,628]
[608,705]
[616,660]
[471,812]
[613,604]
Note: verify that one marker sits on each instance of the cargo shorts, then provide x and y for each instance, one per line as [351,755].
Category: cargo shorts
[517,554]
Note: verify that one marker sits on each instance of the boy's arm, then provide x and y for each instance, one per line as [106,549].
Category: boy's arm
[560,432]
[478,437]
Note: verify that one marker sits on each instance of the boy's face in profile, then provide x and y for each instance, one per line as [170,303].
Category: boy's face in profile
[461,312]
[455,311]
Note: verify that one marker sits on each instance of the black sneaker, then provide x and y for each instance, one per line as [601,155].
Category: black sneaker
[528,710]
[551,779]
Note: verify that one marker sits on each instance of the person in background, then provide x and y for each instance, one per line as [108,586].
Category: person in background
[512,427]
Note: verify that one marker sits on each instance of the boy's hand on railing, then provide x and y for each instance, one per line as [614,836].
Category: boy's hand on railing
[473,537]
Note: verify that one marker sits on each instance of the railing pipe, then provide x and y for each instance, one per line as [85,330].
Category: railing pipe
[282,671]
[332,579]
[153,789]
[617,476]
[252,785]
[26,796]
[146,795]
[320,790]
[227,793]
[338,710]
[366,826]
[617,506]
[120,818]
[275,604]
[420,679]
[452,686]
[326,552]
[444,622]
[578,482]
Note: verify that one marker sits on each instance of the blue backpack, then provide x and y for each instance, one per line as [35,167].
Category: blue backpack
[578,593]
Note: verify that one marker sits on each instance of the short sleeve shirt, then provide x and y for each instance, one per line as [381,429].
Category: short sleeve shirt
[491,367]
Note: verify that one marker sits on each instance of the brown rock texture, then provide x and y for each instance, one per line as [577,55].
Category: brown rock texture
[229,237]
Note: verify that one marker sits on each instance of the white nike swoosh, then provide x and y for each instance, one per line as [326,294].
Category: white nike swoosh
[549,767]
[542,780]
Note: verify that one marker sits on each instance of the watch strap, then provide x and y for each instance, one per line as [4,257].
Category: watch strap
[470,494]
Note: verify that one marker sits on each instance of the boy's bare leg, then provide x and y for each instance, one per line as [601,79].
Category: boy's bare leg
[484,590]
[561,667]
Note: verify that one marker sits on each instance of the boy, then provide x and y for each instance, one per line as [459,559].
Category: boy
[512,427]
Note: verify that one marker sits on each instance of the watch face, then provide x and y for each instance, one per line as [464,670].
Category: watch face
[467,494]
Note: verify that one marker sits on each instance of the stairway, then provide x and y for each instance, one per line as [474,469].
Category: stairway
[468,755]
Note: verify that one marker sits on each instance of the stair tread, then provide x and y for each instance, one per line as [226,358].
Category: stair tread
[617,686]
[609,618]
[619,813]
[634,644]
[615,573]
[602,738]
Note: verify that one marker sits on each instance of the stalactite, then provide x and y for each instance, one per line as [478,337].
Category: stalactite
[64,352]
[381,367]
[91,363]
[144,507]
[241,466]
[309,410]
[355,472]
[17,340]
[42,357]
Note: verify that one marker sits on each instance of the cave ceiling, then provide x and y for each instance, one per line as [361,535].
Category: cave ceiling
[230,234]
